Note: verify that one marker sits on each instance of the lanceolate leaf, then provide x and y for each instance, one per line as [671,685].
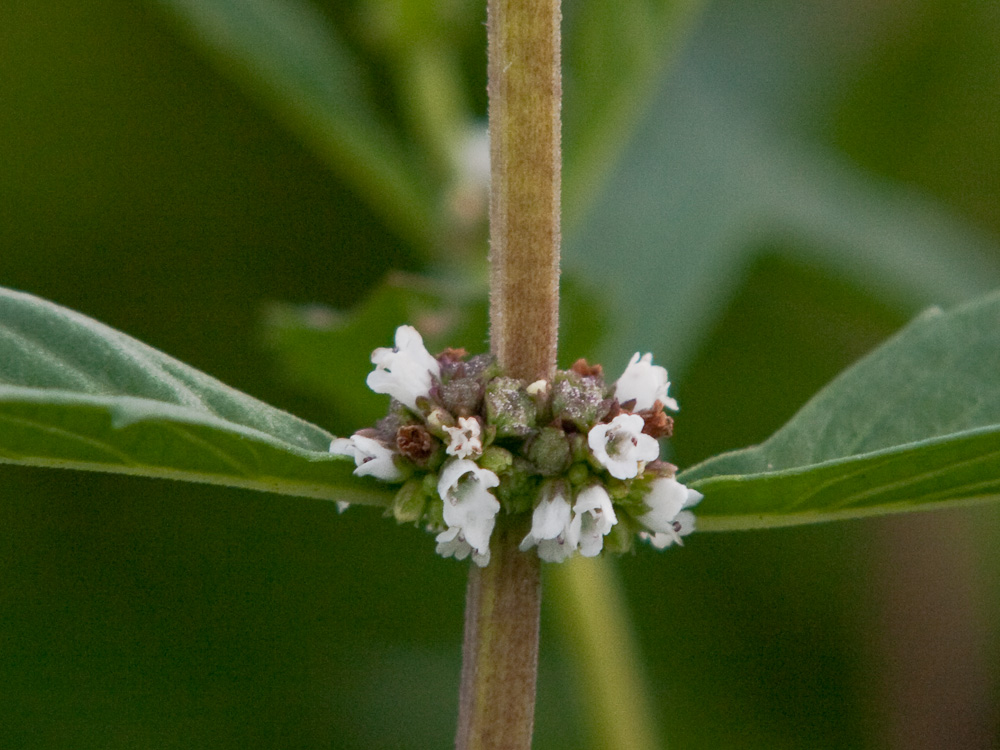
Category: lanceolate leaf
[77,394]
[311,343]
[915,424]
[700,188]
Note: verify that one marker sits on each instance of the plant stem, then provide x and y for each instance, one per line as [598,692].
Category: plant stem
[500,657]
[525,91]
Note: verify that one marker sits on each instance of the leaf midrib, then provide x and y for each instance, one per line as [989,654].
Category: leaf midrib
[162,412]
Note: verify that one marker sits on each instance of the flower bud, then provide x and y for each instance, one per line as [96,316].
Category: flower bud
[462,395]
[549,451]
[518,487]
[578,474]
[578,400]
[409,504]
[437,420]
[510,408]
[496,459]
[620,539]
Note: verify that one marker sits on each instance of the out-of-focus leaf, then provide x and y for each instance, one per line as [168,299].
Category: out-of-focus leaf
[77,394]
[614,54]
[700,186]
[328,353]
[915,424]
[286,54]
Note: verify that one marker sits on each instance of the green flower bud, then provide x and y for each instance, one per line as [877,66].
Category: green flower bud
[434,512]
[430,484]
[510,408]
[578,474]
[579,449]
[518,487]
[462,396]
[578,400]
[437,420]
[409,504]
[549,450]
[621,538]
[496,459]
[617,489]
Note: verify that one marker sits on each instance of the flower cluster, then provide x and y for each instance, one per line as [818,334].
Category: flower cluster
[467,442]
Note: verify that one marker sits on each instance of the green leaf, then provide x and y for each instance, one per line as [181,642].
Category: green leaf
[327,353]
[286,54]
[704,184]
[77,394]
[914,425]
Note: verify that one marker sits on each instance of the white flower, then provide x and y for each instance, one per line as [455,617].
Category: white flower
[342,447]
[645,382]
[593,519]
[666,516]
[406,372]
[465,440]
[552,528]
[469,510]
[370,456]
[450,544]
[622,447]
[538,388]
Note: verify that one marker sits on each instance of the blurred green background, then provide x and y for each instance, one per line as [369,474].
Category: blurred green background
[776,187]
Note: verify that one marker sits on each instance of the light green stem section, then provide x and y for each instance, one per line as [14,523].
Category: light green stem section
[500,657]
[592,610]
[500,660]
[525,89]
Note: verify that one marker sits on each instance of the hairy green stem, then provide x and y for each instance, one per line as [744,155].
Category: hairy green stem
[500,657]
[525,91]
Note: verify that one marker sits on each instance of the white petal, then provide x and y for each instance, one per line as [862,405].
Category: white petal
[482,559]
[694,497]
[622,447]
[591,542]
[596,501]
[342,447]
[450,544]
[645,382]
[552,527]
[374,459]
[594,517]
[555,550]
[407,372]
[682,525]
[666,516]
[685,519]
[551,517]
[469,506]
[465,440]
[537,388]
[647,448]
[410,343]
[665,500]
